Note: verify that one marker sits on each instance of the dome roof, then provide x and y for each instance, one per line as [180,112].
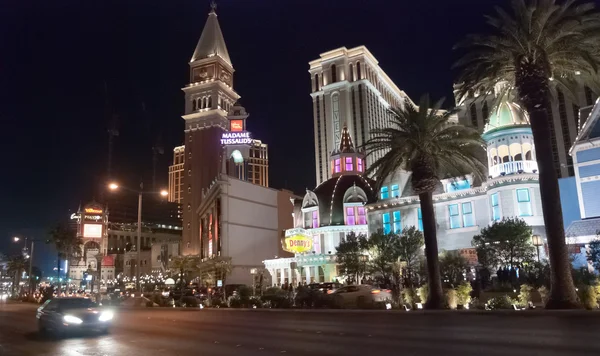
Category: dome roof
[507,114]
[333,192]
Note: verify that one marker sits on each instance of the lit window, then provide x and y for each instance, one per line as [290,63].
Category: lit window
[397,222]
[495,207]
[350,216]
[362,216]
[359,164]
[315,219]
[349,164]
[384,193]
[420,218]
[386,223]
[524,202]
[395,191]
[467,212]
[237,157]
[337,166]
[454,216]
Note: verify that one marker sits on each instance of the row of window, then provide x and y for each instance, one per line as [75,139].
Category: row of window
[348,165]
[385,191]
[395,223]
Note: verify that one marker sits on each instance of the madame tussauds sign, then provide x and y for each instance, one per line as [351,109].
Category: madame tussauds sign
[236,138]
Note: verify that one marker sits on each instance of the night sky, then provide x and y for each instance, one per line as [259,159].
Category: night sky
[56,56]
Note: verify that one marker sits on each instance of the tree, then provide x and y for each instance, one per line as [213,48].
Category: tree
[67,244]
[15,266]
[537,48]
[453,267]
[593,252]
[348,255]
[383,250]
[424,141]
[505,243]
[410,250]
[185,265]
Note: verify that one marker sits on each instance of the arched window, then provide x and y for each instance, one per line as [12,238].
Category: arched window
[333,73]
[485,111]
[528,156]
[518,157]
[194,105]
[351,69]
[237,157]
[358,70]
[505,159]
[210,102]
[317,82]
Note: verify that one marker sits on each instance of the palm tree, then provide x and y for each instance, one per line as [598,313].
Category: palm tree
[185,265]
[67,244]
[16,265]
[424,141]
[540,47]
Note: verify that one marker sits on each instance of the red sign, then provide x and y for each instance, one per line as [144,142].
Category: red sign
[469,254]
[236,125]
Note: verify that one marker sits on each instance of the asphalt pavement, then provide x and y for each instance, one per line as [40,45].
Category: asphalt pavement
[269,332]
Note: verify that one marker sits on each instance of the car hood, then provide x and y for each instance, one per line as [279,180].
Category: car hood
[81,312]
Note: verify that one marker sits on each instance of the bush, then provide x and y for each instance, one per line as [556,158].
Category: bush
[149,304]
[525,295]
[234,301]
[255,301]
[423,293]
[463,293]
[277,298]
[409,296]
[476,304]
[189,301]
[544,293]
[451,298]
[587,296]
[502,302]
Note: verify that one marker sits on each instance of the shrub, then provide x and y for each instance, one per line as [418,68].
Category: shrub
[409,295]
[234,301]
[423,292]
[587,296]
[189,301]
[525,295]
[476,304]
[451,298]
[255,301]
[463,293]
[277,298]
[544,293]
[502,302]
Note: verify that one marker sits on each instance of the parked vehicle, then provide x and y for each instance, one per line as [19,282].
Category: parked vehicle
[360,296]
[327,287]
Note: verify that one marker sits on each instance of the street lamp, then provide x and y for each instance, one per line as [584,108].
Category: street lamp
[537,242]
[114,186]
[28,256]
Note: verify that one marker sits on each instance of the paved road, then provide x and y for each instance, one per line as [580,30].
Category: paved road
[254,332]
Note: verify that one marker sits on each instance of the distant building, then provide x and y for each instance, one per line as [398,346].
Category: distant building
[176,175]
[565,124]
[349,88]
[323,218]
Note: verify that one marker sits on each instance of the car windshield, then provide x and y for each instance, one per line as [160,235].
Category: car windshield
[76,303]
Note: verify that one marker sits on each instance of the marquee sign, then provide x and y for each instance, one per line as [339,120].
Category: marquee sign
[236,125]
[93,211]
[298,244]
[236,138]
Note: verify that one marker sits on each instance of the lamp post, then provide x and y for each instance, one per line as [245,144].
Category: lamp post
[537,242]
[140,192]
[28,256]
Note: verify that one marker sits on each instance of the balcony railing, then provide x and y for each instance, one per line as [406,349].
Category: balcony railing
[513,168]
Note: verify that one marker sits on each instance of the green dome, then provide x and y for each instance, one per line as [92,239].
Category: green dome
[507,114]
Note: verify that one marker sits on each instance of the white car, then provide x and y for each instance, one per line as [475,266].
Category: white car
[360,296]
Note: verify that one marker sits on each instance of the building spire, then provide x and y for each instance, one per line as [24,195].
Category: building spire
[211,41]
[346,145]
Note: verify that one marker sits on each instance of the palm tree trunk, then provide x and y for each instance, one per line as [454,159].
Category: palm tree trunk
[562,295]
[58,274]
[435,299]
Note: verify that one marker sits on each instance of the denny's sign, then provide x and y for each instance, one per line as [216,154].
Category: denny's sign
[298,244]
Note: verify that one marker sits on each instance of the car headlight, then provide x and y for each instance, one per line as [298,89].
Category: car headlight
[72,319]
[106,316]
[4,296]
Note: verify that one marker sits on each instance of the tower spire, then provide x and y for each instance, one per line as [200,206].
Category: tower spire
[211,41]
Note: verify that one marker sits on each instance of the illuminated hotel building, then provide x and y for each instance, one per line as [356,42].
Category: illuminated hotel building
[564,126]
[176,175]
[228,211]
[348,86]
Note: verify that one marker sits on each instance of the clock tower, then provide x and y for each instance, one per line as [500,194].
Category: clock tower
[209,96]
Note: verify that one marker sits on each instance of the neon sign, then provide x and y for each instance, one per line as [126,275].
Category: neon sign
[236,138]
[236,125]
[93,211]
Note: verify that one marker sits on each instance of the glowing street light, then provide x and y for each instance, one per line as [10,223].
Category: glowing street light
[164,193]
[16,239]
[113,186]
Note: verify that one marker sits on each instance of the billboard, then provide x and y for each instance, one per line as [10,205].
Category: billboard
[92,230]
[236,138]
[298,243]
[236,125]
